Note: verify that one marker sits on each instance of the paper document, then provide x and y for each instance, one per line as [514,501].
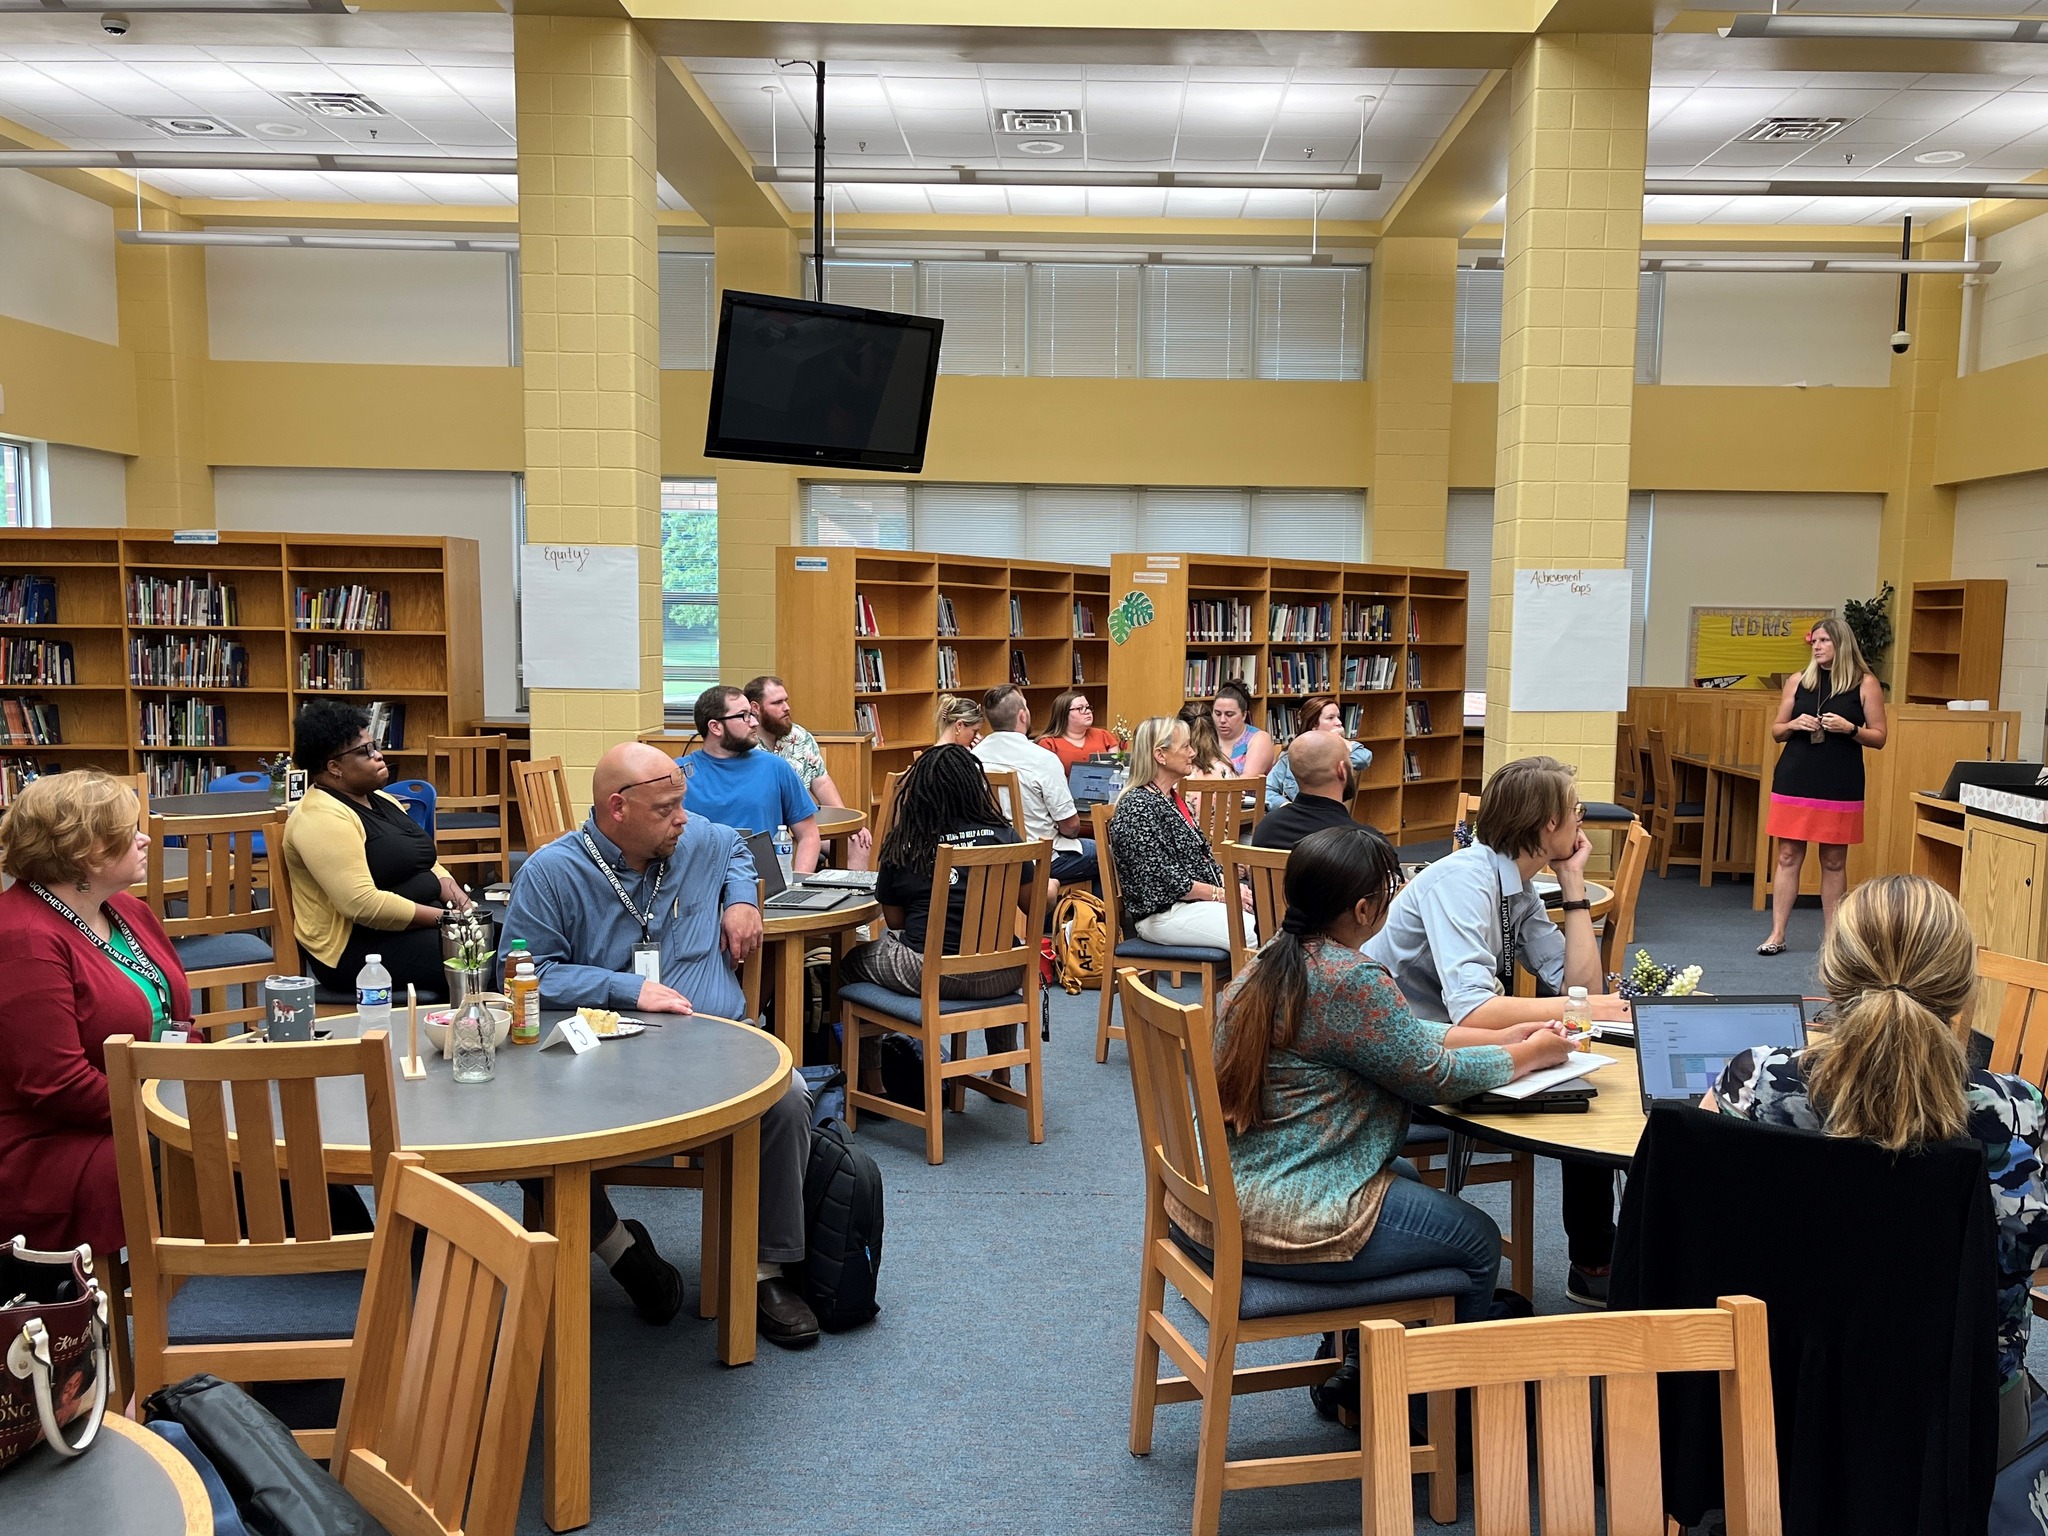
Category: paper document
[1569,642]
[1576,1065]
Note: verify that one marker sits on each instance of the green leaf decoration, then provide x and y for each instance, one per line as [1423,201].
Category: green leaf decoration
[1134,612]
[1119,625]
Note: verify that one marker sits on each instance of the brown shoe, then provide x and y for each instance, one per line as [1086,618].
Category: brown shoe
[785,1317]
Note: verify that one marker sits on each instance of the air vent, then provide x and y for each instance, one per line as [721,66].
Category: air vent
[1035,124]
[332,103]
[1794,130]
[192,127]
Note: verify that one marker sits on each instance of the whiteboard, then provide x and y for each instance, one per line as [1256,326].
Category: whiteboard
[1570,640]
[579,615]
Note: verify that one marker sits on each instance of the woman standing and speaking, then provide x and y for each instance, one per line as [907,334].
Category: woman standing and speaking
[1828,715]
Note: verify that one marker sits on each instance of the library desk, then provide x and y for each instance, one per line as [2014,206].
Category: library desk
[788,936]
[129,1481]
[696,1084]
[1606,1133]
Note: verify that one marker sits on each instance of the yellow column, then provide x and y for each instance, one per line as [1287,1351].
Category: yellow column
[756,502]
[162,298]
[1414,306]
[1916,538]
[590,322]
[1567,367]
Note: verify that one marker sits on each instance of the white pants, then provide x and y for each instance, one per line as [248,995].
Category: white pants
[1194,924]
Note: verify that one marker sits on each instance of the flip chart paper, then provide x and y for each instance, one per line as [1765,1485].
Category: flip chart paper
[579,607]
[1570,640]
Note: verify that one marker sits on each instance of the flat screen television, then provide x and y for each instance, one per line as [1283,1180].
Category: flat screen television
[798,382]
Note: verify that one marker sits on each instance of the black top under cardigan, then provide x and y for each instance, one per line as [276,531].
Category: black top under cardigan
[1880,1277]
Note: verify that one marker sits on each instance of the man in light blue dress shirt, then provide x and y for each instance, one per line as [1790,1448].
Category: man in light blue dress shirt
[1455,933]
[645,907]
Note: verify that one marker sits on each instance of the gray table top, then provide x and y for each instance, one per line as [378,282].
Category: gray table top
[229,802]
[542,1100]
[116,1486]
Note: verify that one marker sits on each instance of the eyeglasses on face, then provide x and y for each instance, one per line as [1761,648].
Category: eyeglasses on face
[366,750]
[745,714]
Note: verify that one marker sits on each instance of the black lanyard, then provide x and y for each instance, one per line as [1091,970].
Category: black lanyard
[660,870]
[140,964]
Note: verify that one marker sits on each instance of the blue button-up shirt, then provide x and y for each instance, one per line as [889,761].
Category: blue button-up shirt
[581,935]
[1443,934]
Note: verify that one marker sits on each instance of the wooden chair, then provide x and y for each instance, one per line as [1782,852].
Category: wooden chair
[1561,1355]
[443,1376]
[2018,990]
[471,820]
[1627,768]
[226,936]
[992,882]
[1468,812]
[211,1227]
[1668,814]
[1619,930]
[1187,1158]
[1265,871]
[885,810]
[1003,781]
[1146,956]
[542,789]
[1221,811]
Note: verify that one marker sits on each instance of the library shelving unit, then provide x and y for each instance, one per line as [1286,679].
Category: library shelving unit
[187,661]
[867,639]
[1388,641]
[1955,648]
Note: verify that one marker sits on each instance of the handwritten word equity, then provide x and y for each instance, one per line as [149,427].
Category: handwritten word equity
[565,557]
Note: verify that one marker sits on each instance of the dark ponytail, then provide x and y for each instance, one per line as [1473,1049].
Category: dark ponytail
[1328,873]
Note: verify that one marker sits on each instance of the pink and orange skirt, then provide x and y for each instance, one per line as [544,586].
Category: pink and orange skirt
[1807,820]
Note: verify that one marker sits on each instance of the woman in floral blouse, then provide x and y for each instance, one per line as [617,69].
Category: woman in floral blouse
[1168,880]
[1900,965]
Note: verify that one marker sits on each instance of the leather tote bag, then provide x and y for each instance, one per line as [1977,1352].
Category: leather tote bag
[53,1328]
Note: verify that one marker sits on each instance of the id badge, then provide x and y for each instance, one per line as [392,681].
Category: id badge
[647,961]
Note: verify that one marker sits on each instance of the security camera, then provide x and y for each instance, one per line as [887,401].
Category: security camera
[114,24]
[1901,340]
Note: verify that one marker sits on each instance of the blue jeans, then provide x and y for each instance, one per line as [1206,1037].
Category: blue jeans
[1069,867]
[1419,1228]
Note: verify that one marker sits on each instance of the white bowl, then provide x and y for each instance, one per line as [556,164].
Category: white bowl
[434,1025]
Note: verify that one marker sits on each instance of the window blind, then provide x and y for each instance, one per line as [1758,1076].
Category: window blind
[688,316]
[968,519]
[1197,323]
[1642,507]
[983,305]
[1311,322]
[1308,525]
[1084,320]
[869,284]
[1084,524]
[1475,358]
[1468,547]
[1198,521]
[872,516]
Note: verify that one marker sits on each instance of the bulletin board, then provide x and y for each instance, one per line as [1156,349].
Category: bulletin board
[1749,647]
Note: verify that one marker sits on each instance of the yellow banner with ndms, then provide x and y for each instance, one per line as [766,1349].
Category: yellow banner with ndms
[1749,647]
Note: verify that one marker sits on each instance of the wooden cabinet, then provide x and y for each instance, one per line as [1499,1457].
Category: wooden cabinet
[1955,642]
[2005,868]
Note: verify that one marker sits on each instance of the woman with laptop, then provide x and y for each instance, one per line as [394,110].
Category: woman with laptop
[1900,969]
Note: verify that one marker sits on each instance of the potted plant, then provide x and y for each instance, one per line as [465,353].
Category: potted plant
[1870,621]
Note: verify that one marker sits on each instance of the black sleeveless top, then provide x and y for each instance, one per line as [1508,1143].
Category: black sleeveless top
[398,851]
[1830,769]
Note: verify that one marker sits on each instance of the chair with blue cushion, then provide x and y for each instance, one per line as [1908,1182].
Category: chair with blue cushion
[1148,957]
[1187,1155]
[473,808]
[242,784]
[236,924]
[419,799]
[991,887]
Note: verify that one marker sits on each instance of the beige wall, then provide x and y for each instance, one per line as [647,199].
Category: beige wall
[1714,550]
[443,503]
[86,488]
[56,259]
[2002,531]
[2011,305]
[297,306]
[1760,328]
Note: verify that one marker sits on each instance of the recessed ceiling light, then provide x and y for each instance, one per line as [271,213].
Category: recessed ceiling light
[1041,147]
[192,127]
[282,130]
[1038,120]
[332,103]
[1793,130]
[1940,157]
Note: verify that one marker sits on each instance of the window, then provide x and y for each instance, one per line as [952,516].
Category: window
[689,309]
[1311,323]
[689,590]
[1084,320]
[1475,358]
[19,504]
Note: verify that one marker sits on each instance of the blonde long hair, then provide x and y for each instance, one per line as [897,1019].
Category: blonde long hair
[1849,670]
[1901,967]
[1152,734]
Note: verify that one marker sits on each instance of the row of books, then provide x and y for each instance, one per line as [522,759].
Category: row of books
[1020,674]
[44,662]
[387,725]
[1280,724]
[1369,674]
[864,616]
[949,621]
[1016,616]
[1205,674]
[1225,620]
[1368,621]
[28,600]
[949,667]
[348,607]
[1084,622]
[190,600]
[182,723]
[1299,672]
[16,773]
[1293,623]
[1414,669]
[1415,718]
[29,723]
[869,675]
[187,661]
[1411,767]
[864,720]
[184,775]
[338,667]
[1079,680]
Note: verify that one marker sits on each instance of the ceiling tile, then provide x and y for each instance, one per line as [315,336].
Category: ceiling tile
[1125,203]
[1049,202]
[930,94]
[1206,203]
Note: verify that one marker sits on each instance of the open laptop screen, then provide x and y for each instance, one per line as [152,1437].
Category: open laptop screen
[1682,1043]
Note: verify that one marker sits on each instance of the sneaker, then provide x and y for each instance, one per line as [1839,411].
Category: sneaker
[1587,1288]
[654,1284]
[785,1318]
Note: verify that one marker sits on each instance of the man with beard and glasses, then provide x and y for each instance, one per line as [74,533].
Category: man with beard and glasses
[733,782]
[796,746]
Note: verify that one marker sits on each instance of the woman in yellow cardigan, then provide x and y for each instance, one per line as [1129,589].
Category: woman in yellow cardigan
[364,879]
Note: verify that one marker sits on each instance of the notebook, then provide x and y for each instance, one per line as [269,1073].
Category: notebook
[1682,1043]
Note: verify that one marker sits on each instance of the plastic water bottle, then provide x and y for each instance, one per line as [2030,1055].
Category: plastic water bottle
[1578,1015]
[785,854]
[373,995]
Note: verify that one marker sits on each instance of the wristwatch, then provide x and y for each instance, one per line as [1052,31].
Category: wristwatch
[1583,904]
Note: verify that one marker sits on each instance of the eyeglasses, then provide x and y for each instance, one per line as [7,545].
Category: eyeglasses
[367,750]
[661,778]
[745,714]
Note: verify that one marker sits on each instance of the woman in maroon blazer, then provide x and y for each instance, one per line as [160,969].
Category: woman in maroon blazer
[83,960]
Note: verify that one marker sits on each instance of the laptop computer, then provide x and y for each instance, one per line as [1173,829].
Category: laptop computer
[1991,775]
[1093,783]
[1682,1043]
[777,895]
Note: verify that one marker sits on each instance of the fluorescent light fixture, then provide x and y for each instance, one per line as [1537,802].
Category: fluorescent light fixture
[284,239]
[178,7]
[1051,176]
[1106,258]
[1787,264]
[1909,29]
[258,160]
[1938,191]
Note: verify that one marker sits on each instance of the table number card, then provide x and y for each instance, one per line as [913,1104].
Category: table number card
[573,1033]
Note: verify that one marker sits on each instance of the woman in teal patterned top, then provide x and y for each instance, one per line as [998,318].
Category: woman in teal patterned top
[1318,1062]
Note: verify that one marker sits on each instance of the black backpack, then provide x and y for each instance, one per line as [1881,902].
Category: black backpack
[842,1229]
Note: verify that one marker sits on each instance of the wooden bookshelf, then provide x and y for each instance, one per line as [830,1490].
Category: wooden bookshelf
[430,659]
[1003,611]
[1955,643]
[1394,641]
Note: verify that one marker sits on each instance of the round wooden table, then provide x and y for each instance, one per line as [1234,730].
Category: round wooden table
[695,1083]
[129,1482]
[1601,896]
[1606,1133]
[787,936]
[837,825]
[228,802]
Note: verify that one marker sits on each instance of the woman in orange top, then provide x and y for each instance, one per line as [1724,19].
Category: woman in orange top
[1075,736]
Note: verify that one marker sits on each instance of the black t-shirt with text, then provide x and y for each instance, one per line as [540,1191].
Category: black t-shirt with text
[911,889]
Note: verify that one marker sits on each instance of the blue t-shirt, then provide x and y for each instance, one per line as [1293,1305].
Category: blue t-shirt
[758,792]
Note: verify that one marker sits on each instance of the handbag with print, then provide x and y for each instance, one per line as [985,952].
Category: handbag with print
[53,1329]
